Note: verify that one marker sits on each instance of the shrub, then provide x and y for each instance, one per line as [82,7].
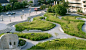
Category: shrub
[21,42]
[79,10]
[49,9]
[34,36]
[42,17]
[43,7]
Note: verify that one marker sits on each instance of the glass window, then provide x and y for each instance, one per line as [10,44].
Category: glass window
[14,43]
[10,43]
[83,1]
[84,5]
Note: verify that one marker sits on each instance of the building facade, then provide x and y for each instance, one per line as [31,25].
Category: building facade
[77,4]
[8,41]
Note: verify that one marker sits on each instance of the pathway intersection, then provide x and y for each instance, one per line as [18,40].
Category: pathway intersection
[30,43]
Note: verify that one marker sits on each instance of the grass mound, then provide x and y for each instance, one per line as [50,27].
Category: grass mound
[34,36]
[69,24]
[61,44]
[35,25]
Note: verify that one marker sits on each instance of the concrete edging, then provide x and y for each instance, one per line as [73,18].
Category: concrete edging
[61,29]
[24,45]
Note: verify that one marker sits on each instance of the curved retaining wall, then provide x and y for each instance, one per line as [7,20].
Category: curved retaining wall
[24,45]
[61,29]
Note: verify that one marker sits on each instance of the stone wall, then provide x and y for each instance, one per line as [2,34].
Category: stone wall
[8,41]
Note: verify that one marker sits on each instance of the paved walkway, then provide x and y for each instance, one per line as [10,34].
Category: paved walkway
[56,29]
[16,19]
[8,20]
[52,31]
[84,26]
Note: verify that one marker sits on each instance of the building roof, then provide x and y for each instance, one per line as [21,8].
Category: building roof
[4,1]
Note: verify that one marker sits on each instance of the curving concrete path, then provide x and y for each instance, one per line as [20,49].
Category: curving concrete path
[52,32]
[84,26]
[56,29]
[30,43]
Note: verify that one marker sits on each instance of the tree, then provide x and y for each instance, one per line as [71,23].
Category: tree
[24,3]
[60,9]
[42,7]
[8,7]
[30,1]
[49,9]
[65,4]
[17,5]
[45,2]
[1,7]
[13,1]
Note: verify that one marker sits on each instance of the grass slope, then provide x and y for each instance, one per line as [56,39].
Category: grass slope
[34,36]
[35,25]
[61,44]
[69,24]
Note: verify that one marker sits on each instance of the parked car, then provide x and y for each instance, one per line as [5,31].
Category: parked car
[37,9]
[10,13]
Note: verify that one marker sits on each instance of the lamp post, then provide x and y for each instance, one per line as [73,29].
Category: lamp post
[21,16]
[2,17]
[29,12]
[14,16]
[9,17]
[23,12]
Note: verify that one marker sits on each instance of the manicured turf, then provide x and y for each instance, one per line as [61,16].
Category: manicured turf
[69,24]
[34,36]
[35,25]
[61,44]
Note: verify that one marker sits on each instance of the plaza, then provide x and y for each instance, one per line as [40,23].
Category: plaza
[49,28]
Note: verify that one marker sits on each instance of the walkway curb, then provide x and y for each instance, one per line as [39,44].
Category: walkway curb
[24,45]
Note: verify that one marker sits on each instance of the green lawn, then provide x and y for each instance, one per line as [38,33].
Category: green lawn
[34,36]
[73,18]
[35,25]
[69,24]
[61,44]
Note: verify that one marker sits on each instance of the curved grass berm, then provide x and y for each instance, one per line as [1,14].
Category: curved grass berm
[69,24]
[34,36]
[35,25]
[61,44]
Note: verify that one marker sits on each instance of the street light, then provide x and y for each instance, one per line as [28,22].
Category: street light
[2,17]
[9,17]
[29,12]
[21,16]
[23,12]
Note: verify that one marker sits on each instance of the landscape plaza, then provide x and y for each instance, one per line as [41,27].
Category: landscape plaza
[42,25]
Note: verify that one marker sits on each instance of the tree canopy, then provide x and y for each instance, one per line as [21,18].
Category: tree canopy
[13,1]
[1,7]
